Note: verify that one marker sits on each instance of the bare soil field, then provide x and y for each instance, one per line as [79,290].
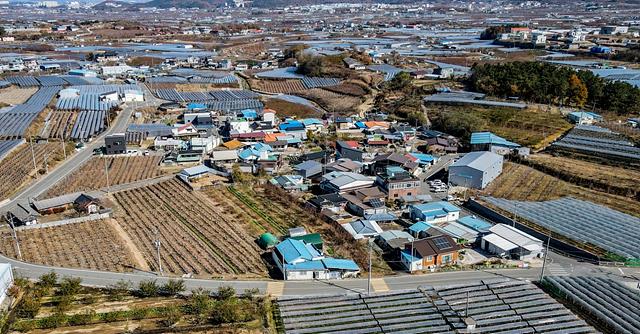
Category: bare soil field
[122,170]
[196,236]
[519,182]
[610,179]
[13,95]
[17,168]
[347,88]
[91,245]
[289,109]
[331,101]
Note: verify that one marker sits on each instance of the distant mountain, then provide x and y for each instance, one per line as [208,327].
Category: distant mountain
[208,4]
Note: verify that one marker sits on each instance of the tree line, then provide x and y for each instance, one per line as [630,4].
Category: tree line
[548,83]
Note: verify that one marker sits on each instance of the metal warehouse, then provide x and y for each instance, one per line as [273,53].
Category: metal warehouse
[476,169]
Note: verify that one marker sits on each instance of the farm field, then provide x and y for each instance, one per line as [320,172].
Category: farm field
[91,245]
[289,109]
[277,86]
[530,127]
[347,88]
[196,236]
[17,168]
[519,182]
[270,209]
[331,101]
[610,179]
[122,170]
[14,95]
[58,124]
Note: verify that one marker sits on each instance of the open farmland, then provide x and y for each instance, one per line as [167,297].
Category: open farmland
[17,168]
[523,183]
[610,179]
[196,236]
[347,88]
[530,127]
[289,109]
[14,95]
[331,101]
[277,86]
[92,245]
[122,170]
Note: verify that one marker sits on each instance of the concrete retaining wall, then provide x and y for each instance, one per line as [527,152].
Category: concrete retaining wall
[91,217]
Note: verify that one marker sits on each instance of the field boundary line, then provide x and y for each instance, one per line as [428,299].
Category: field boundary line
[132,247]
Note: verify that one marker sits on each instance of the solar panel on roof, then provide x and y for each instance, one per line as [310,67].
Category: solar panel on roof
[442,243]
[376,203]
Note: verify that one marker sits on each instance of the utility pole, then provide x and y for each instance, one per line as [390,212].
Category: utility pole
[158,244]
[284,268]
[46,164]
[33,155]
[15,237]
[64,147]
[411,261]
[546,253]
[369,278]
[466,309]
[106,172]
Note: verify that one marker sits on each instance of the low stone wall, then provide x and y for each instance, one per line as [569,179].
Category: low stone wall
[91,217]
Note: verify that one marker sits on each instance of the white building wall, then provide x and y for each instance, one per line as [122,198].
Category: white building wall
[6,281]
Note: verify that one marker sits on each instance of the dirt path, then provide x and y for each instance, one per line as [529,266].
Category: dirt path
[138,259]
[368,103]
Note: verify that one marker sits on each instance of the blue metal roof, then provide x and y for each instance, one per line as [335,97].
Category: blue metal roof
[490,138]
[419,227]
[407,256]
[249,113]
[307,265]
[584,114]
[436,206]
[194,105]
[291,126]
[311,121]
[340,264]
[475,223]
[423,158]
[292,250]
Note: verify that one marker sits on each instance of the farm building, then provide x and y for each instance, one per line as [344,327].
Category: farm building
[115,144]
[475,223]
[508,241]
[195,172]
[584,117]
[487,141]
[6,281]
[434,212]
[81,202]
[430,253]
[333,202]
[298,260]
[314,239]
[476,169]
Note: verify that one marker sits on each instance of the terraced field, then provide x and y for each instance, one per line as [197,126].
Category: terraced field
[331,101]
[122,170]
[91,245]
[58,124]
[277,86]
[196,237]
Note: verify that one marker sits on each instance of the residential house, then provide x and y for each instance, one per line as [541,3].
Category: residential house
[344,181]
[441,145]
[115,144]
[362,229]
[333,202]
[406,161]
[290,182]
[298,260]
[393,240]
[309,169]
[349,150]
[344,165]
[368,203]
[430,253]
[398,183]
[508,241]
[476,169]
[434,212]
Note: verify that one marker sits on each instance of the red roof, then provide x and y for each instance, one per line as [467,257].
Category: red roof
[259,134]
[352,143]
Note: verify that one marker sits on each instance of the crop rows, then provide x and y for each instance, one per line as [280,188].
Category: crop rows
[122,170]
[278,86]
[16,168]
[196,238]
[347,89]
[58,124]
[91,245]
[330,100]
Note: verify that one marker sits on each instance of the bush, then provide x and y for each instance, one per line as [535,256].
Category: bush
[172,316]
[148,288]
[29,306]
[70,286]
[199,304]
[226,293]
[53,321]
[81,319]
[139,313]
[48,281]
[119,290]
[173,287]
[63,304]
[89,299]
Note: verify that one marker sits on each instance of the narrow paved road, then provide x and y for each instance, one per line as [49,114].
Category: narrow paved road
[78,158]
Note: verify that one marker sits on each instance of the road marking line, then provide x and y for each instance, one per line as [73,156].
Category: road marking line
[379,285]
[621,272]
[275,289]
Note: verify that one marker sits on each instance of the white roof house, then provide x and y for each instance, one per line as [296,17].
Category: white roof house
[345,181]
[506,240]
[361,229]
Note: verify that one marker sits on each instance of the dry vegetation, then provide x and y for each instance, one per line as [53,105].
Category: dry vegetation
[289,109]
[610,179]
[197,237]
[13,95]
[122,170]
[348,88]
[331,101]
[17,168]
[519,182]
[92,245]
